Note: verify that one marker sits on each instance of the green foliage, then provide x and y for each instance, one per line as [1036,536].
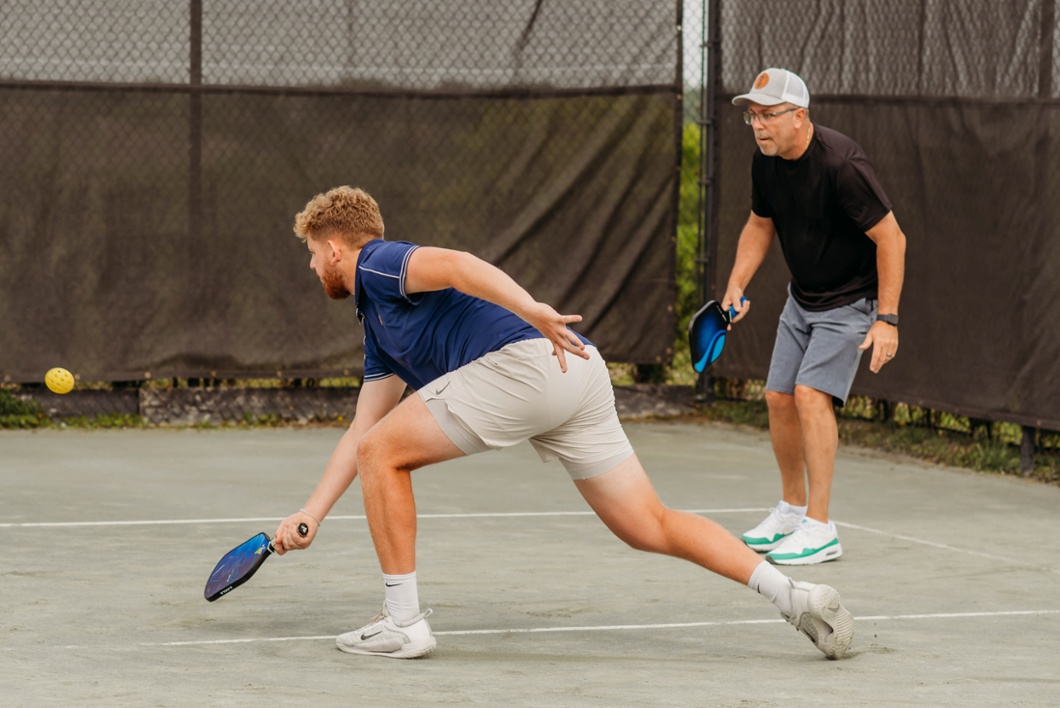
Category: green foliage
[108,421]
[18,414]
[263,420]
[10,404]
[958,444]
[681,372]
[945,447]
[752,413]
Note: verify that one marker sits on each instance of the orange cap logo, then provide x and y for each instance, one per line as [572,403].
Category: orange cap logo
[762,80]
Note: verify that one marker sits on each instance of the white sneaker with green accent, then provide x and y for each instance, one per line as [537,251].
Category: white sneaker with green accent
[819,614]
[385,637]
[812,542]
[770,533]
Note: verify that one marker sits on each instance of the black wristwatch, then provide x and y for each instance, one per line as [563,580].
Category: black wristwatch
[889,319]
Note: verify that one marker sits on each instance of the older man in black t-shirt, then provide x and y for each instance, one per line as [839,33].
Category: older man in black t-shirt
[815,189]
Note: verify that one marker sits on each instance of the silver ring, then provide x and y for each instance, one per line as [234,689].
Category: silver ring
[888,355]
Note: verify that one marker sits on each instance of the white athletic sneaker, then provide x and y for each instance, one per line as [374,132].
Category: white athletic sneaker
[385,637]
[819,614]
[768,534]
[812,542]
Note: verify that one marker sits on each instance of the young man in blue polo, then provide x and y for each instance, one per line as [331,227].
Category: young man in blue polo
[491,367]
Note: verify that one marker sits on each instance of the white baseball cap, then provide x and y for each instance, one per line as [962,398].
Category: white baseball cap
[774,86]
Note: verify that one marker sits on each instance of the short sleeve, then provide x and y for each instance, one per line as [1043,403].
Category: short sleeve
[860,193]
[759,205]
[374,368]
[383,273]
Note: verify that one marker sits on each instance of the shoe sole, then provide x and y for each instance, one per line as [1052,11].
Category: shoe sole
[761,546]
[830,553]
[826,606]
[409,651]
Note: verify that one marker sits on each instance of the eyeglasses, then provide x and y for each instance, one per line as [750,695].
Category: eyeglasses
[749,117]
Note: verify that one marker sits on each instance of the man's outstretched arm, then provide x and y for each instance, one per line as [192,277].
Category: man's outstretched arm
[439,268]
[375,400]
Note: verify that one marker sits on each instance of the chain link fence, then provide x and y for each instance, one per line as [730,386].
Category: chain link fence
[958,107]
[152,152]
[152,157]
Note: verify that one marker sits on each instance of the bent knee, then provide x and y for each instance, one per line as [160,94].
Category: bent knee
[371,453]
[806,396]
[776,400]
[644,543]
[645,533]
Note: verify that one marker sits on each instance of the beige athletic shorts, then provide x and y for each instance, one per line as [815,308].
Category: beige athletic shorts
[519,393]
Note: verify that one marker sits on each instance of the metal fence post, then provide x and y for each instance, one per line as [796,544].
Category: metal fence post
[1027,451]
[710,62]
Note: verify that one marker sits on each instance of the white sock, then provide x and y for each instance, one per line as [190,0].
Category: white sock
[402,596]
[773,585]
[814,523]
[786,508]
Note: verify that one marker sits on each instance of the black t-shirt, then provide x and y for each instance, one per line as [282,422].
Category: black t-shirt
[821,206]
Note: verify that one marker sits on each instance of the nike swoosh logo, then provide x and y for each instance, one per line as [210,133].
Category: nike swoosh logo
[391,585]
[438,392]
[366,636]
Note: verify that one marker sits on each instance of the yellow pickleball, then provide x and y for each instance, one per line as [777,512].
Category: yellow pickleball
[59,380]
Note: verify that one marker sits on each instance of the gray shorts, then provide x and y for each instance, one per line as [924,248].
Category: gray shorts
[820,349]
[519,393]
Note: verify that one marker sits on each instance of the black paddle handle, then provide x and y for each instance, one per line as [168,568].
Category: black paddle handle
[303,531]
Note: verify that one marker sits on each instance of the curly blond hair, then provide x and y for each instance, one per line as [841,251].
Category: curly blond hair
[346,212]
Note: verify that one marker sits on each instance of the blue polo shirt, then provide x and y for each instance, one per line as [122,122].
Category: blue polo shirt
[422,336]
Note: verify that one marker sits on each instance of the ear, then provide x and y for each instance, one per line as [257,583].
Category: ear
[336,249]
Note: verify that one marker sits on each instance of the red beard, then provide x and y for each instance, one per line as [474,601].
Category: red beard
[333,285]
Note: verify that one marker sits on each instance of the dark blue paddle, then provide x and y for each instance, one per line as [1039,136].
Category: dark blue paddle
[240,563]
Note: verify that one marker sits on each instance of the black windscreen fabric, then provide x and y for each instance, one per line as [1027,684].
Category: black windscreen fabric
[957,106]
[146,208]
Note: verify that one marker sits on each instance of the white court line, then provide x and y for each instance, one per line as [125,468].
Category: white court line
[946,547]
[590,628]
[516,514]
[259,519]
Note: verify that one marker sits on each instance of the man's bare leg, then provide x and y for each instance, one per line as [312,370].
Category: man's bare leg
[624,499]
[820,442]
[785,431]
[406,439]
[627,504]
